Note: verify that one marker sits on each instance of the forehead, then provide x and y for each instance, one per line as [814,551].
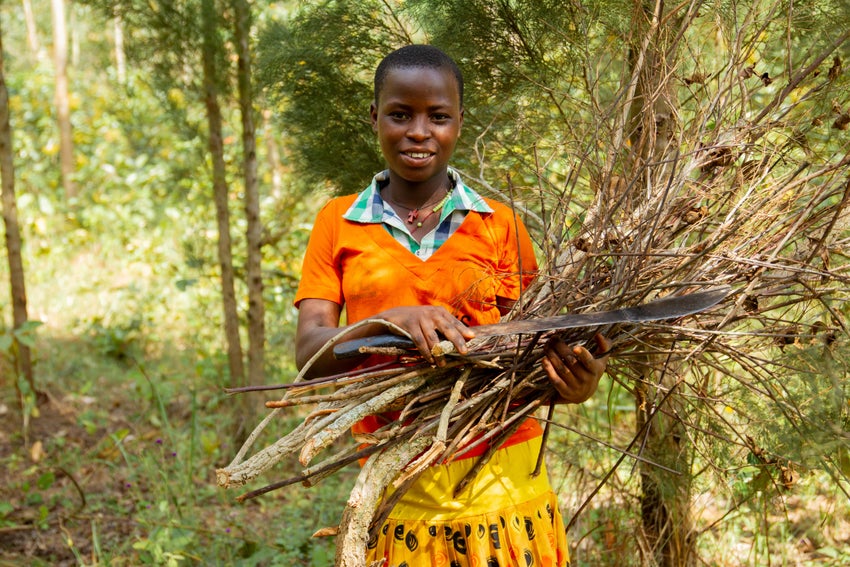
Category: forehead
[418,84]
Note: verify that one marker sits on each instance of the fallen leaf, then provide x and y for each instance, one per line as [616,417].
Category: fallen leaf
[37,452]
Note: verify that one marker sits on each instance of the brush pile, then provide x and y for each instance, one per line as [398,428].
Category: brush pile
[761,205]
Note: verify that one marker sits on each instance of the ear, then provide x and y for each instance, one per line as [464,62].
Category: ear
[460,122]
[373,114]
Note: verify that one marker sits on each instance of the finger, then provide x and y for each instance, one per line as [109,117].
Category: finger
[556,378]
[583,356]
[467,332]
[416,334]
[567,370]
[559,347]
[458,334]
[431,339]
[570,389]
[603,344]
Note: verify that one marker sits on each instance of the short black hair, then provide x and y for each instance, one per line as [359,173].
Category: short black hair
[417,55]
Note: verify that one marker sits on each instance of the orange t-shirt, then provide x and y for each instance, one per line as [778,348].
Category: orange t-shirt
[361,267]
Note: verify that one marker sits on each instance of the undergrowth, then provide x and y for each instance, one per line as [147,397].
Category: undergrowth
[117,470]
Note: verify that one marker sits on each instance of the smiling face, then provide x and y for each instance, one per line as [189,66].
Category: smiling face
[418,118]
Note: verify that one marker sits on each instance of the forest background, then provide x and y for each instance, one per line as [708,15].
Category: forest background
[162,163]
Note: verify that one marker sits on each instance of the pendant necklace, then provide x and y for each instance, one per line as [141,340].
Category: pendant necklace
[413,214]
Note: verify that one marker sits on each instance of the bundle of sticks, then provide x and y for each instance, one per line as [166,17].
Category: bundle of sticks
[477,398]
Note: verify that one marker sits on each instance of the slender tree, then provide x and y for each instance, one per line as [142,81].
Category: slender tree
[32,31]
[13,233]
[173,40]
[120,57]
[651,128]
[254,233]
[63,105]
[272,155]
[211,50]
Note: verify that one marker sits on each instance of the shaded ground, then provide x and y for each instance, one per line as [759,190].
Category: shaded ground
[46,507]
[94,483]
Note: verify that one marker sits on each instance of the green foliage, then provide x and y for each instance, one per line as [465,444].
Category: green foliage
[115,342]
[804,421]
[128,474]
[318,69]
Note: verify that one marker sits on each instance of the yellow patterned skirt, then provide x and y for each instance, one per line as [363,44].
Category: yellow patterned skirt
[504,518]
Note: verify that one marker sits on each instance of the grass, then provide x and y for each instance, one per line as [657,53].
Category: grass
[118,470]
[115,465]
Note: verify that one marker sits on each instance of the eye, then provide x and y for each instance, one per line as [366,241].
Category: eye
[398,115]
[439,117]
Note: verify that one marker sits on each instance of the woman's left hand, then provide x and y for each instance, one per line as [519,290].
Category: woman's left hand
[573,371]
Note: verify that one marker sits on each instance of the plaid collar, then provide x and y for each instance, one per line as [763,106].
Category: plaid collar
[368,207]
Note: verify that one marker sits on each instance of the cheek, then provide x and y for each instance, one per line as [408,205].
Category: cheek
[386,134]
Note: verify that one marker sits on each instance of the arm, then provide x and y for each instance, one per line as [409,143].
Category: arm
[318,322]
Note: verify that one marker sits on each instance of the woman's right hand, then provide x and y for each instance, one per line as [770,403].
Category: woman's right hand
[318,322]
[425,324]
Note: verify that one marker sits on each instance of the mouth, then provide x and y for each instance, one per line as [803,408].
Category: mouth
[418,155]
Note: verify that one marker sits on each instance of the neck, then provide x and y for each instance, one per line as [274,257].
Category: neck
[416,194]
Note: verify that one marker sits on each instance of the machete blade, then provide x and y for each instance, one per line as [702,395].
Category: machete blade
[670,307]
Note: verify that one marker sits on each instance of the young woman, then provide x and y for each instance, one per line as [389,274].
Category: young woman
[421,250]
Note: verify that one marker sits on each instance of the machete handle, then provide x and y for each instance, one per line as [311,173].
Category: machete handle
[357,347]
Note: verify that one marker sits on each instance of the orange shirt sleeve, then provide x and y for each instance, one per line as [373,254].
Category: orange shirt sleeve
[321,274]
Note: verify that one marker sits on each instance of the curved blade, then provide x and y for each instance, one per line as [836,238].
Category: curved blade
[670,307]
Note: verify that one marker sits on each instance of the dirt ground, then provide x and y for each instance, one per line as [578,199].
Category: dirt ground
[47,514]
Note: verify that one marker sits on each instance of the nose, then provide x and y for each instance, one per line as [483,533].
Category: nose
[419,128]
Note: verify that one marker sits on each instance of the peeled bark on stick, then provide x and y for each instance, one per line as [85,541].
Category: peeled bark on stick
[377,474]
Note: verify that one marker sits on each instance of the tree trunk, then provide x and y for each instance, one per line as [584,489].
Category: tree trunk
[120,59]
[73,38]
[63,107]
[13,234]
[272,155]
[665,498]
[211,43]
[32,30]
[253,270]
[652,131]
